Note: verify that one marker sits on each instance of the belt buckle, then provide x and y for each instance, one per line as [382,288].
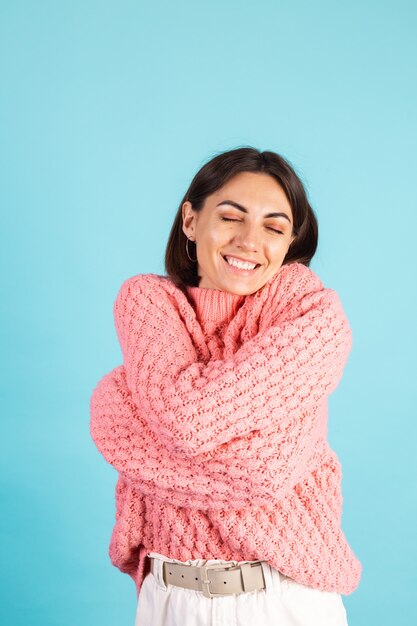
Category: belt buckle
[205,581]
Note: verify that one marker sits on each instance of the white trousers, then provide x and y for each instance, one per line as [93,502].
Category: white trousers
[283,602]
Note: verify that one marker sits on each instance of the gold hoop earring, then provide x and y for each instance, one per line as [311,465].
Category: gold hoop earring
[187,251]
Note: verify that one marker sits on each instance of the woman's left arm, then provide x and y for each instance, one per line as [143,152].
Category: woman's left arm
[195,407]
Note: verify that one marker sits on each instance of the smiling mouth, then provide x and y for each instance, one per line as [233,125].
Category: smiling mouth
[241,266]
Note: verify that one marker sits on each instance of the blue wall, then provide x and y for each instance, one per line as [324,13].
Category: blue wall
[107,109]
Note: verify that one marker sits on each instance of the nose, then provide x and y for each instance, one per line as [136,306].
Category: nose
[248,237]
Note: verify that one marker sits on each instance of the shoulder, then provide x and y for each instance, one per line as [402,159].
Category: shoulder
[143,284]
[300,274]
[143,294]
[283,294]
[292,280]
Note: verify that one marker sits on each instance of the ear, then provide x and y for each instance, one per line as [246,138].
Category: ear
[188,219]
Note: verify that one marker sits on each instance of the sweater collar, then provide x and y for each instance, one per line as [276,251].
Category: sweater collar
[214,305]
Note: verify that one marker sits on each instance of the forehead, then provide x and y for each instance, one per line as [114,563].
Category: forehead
[257,187]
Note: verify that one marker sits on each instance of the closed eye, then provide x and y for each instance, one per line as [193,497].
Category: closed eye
[229,219]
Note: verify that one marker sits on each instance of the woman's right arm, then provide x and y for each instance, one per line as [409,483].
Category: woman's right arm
[246,471]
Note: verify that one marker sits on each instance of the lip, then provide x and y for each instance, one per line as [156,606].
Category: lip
[240,272]
[239,258]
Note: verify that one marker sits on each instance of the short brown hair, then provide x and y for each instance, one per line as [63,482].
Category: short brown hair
[216,173]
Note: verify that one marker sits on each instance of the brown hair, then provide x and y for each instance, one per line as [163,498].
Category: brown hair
[216,173]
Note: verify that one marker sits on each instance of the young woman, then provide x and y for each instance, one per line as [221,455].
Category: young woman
[228,500]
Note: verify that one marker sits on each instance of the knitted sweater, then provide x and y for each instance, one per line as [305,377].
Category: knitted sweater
[216,423]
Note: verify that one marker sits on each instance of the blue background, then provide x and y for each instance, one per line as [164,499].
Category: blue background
[107,111]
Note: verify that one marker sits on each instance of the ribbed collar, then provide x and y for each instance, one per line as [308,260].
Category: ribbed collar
[214,305]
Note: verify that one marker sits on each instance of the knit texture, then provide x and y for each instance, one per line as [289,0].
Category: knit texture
[217,425]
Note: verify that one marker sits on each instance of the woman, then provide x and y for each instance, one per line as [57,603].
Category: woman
[228,501]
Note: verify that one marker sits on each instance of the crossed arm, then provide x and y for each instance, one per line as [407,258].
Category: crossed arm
[254,470]
[272,380]
[267,430]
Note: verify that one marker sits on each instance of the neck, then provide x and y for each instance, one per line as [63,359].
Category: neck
[214,306]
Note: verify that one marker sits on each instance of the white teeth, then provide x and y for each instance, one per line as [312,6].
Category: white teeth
[240,264]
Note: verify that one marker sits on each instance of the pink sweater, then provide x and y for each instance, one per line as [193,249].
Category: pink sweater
[217,425]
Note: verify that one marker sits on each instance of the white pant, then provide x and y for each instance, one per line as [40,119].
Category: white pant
[284,602]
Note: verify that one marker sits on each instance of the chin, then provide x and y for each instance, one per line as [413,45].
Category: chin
[244,290]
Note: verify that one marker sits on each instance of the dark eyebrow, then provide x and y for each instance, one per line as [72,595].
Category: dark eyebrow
[244,210]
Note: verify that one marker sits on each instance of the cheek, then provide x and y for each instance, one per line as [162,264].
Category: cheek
[209,245]
[216,238]
[278,247]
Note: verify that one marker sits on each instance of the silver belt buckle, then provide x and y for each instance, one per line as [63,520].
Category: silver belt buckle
[205,581]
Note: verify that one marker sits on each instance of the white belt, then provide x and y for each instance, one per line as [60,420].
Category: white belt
[214,579]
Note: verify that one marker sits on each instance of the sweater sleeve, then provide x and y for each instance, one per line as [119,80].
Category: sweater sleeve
[247,471]
[195,407]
